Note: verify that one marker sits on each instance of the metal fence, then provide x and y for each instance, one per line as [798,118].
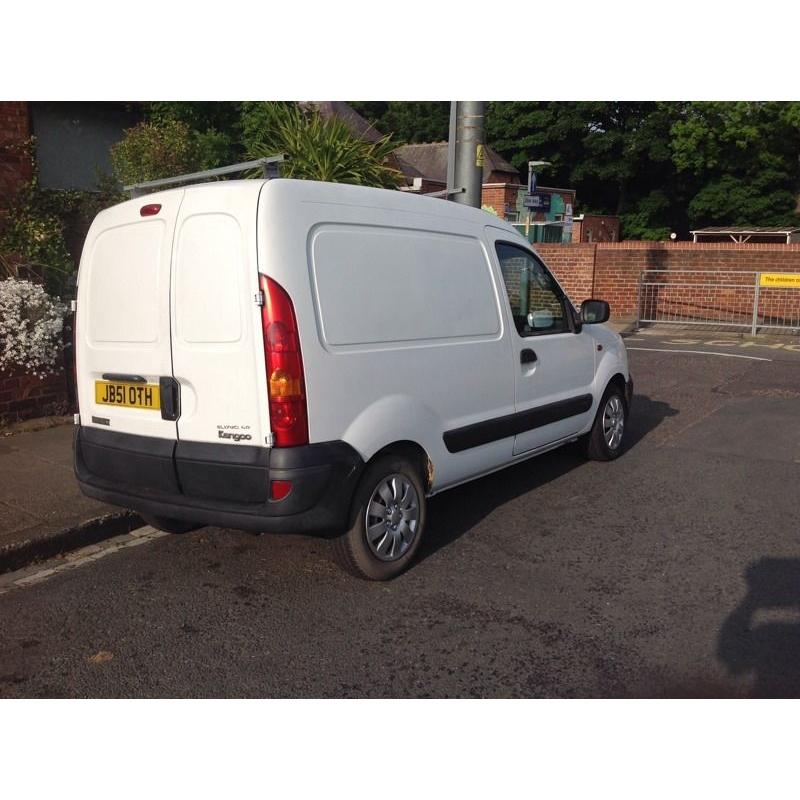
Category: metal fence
[723,298]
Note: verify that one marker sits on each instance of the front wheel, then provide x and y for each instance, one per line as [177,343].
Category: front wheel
[387,521]
[604,442]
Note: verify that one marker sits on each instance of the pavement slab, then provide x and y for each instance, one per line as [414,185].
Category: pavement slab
[41,507]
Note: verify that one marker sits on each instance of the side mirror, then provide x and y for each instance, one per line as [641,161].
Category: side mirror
[594,312]
[540,320]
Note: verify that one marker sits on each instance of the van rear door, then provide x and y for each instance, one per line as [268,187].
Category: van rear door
[123,322]
[217,340]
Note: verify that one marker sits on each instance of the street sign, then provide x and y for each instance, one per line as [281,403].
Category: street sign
[539,201]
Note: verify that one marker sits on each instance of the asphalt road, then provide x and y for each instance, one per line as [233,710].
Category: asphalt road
[674,571]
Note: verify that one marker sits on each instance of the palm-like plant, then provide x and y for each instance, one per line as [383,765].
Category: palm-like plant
[319,148]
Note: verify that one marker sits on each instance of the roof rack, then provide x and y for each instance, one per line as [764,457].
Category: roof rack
[269,165]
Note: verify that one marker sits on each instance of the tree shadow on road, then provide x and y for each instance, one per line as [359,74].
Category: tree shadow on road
[458,510]
[769,648]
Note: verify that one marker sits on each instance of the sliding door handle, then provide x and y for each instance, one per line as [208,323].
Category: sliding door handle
[527,356]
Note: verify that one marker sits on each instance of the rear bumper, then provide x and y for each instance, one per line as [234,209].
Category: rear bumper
[219,484]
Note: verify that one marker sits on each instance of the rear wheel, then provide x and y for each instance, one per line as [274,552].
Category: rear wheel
[387,521]
[604,442]
[169,525]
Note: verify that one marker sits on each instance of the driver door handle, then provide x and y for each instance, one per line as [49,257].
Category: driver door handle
[527,356]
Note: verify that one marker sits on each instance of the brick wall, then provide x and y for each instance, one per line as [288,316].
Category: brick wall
[610,271]
[22,396]
[15,166]
[573,266]
[499,197]
[618,266]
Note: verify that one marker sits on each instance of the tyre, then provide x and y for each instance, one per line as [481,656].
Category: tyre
[169,525]
[604,442]
[387,521]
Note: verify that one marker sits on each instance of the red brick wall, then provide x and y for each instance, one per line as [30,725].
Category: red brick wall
[618,266]
[610,271]
[15,165]
[22,396]
[573,266]
[499,197]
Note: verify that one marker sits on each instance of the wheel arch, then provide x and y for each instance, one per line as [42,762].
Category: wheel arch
[400,424]
[618,380]
[415,453]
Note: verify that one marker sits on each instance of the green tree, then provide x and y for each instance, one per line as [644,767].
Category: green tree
[152,150]
[316,148]
[615,154]
[215,128]
[35,235]
[410,122]
[524,131]
[32,244]
[743,158]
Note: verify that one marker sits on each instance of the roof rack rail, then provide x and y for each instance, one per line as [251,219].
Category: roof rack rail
[269,165]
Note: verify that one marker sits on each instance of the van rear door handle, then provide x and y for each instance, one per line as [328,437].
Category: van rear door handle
[170,398]
[118,376]
[527,356]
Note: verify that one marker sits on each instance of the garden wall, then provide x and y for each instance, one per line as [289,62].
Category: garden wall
[610,271]
[16,168]
[23,396]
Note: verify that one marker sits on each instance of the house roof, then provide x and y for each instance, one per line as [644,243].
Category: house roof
[360,128]
[413,160]
[430,161]
[355,123]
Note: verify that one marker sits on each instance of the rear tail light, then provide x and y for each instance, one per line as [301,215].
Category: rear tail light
[284,362]
[150,210]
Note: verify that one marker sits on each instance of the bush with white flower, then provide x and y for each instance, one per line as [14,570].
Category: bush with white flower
[31,322]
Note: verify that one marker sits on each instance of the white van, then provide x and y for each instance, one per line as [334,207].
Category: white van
[293,356]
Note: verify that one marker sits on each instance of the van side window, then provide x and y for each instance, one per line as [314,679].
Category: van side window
[537,304]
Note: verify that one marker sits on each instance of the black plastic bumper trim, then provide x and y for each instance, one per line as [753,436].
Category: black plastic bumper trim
[219,484]
[492,430]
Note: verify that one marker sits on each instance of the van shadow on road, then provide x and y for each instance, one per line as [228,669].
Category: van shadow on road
[457,511]
[769,648]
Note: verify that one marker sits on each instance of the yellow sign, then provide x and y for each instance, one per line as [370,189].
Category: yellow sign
[479,157]
[780,280]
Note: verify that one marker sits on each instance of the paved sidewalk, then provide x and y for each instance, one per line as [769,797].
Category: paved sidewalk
[622,324]
[42,510]
[715,332]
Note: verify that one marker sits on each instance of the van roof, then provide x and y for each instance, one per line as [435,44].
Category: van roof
[324,192]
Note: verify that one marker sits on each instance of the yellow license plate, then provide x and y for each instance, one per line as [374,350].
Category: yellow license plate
[128,395]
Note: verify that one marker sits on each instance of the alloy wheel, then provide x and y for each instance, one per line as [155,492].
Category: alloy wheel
[392,517]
